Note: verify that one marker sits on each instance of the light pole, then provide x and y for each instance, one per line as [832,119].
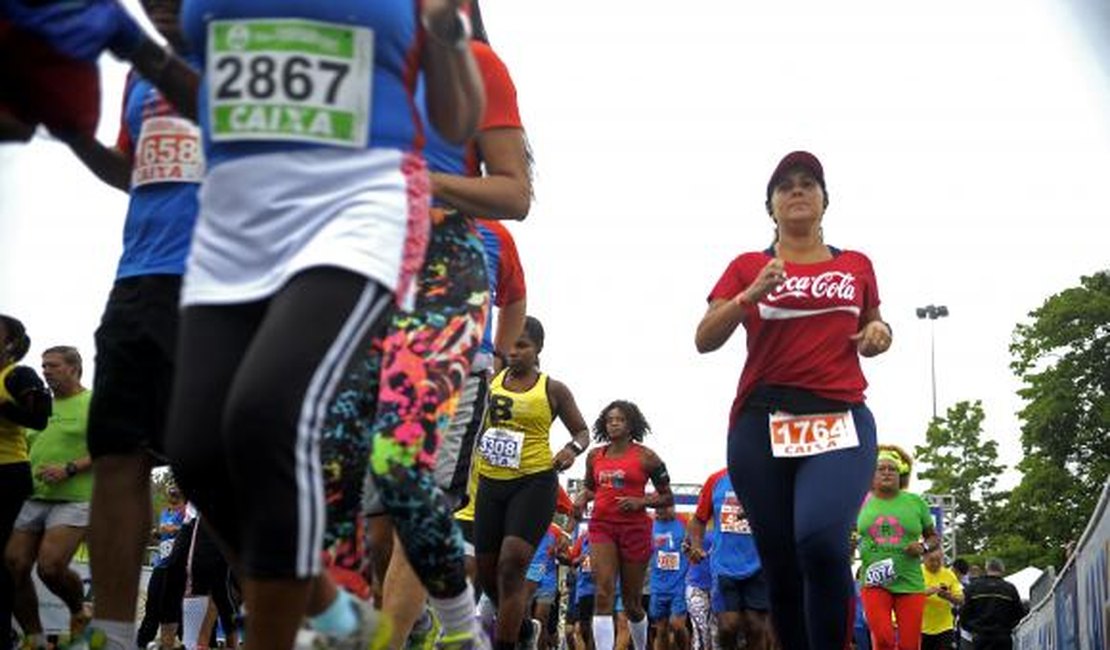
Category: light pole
[933,312]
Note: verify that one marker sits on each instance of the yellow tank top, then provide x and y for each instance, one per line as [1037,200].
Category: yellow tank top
[515,442]
[13,439]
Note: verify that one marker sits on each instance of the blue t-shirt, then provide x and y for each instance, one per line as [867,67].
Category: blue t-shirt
[734,554]
[585,583]
[668,562]
[169,524]
[160,215]
[542,569]
[700,575]
[393,120]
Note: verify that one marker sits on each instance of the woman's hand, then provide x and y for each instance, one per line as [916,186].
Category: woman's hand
[631,504]
[563,460]
[770,277]
[872,339]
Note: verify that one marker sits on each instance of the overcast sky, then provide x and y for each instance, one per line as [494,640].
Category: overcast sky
[966,148]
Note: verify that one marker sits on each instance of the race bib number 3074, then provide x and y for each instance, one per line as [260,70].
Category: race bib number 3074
[289,80]
[793,436]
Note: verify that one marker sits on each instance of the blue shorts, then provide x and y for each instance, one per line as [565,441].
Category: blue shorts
[739,594]
[666,605]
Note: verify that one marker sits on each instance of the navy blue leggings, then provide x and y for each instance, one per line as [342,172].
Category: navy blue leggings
[801,512]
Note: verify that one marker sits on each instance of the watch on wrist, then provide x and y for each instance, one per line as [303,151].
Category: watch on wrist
[71,469]
[578,449]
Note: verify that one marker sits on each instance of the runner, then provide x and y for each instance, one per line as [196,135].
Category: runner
[895,531]
[53,521]
[287,278]
[620,529]
[158,160]
[667,608]
[162,616]
[739,592]
[810,311]
[24,404]
[459,189]
[699,585]
[584,587]
[517,484]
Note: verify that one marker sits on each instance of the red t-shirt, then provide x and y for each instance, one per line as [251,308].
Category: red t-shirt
[623,476]
[799,334]
[501,108]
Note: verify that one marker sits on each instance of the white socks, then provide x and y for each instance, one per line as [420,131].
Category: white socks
[639,632]
[603,632]
[456,614]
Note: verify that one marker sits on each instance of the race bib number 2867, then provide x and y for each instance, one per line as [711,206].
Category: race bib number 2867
[289,80]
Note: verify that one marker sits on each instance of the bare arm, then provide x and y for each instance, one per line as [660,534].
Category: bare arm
[456,98]
[505,191]
[723,316]
[660,479]
[109,164]
[719,322]
[694,543]
[171,75]
[510,325]
[564,408]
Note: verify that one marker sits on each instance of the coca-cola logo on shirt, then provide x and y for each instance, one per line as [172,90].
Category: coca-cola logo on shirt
[836,285]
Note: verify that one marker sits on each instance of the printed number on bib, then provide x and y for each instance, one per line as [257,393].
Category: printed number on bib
[794,436]
[667,561]
[733,520]
[289,80]
[501,447]
[168,151]
[165,547]
[880,574]
[586,567]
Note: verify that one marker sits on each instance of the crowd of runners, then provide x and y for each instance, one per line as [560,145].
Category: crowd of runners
[301,328]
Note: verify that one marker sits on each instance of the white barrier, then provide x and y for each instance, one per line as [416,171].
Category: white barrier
[1075,613]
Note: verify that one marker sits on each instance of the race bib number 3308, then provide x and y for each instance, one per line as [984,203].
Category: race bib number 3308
[289,80]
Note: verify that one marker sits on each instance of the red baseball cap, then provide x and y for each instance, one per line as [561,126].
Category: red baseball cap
[793,160]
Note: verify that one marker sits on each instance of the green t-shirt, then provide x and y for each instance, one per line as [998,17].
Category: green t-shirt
[61,441]
[886,527]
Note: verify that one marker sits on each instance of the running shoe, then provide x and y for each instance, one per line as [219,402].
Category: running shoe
[424,632]
[91,639]
[472,640]
[373,633]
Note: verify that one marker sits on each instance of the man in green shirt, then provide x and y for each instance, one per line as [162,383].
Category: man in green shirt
[53,521]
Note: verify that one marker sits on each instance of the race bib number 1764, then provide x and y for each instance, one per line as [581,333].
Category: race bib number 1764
[289,80]
[794,436]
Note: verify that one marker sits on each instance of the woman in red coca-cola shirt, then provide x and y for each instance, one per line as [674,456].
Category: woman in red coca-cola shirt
[620,529]
[801,445]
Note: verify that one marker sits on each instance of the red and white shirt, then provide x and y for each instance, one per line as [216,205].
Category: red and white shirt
[799,335]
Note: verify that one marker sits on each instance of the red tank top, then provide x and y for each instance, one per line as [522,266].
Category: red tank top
[622,476]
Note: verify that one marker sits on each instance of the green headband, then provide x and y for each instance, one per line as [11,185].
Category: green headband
[896,458]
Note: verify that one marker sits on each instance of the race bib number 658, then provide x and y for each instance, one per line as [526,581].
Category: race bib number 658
[289,80]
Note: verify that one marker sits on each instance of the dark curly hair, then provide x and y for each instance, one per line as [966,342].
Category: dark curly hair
[17,341]
[637,423]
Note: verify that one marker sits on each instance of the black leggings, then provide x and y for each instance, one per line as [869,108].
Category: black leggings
[15,487]
[252,387]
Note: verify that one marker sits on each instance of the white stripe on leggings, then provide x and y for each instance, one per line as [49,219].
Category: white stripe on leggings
[311,510]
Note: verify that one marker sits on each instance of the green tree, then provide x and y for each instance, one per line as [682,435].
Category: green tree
[958,461]
[1063,359]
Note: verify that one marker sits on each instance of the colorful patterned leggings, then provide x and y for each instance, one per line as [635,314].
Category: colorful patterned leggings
[697,606]
[408,384]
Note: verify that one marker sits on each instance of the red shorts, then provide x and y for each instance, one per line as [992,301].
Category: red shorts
[632,538]
[38,85]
